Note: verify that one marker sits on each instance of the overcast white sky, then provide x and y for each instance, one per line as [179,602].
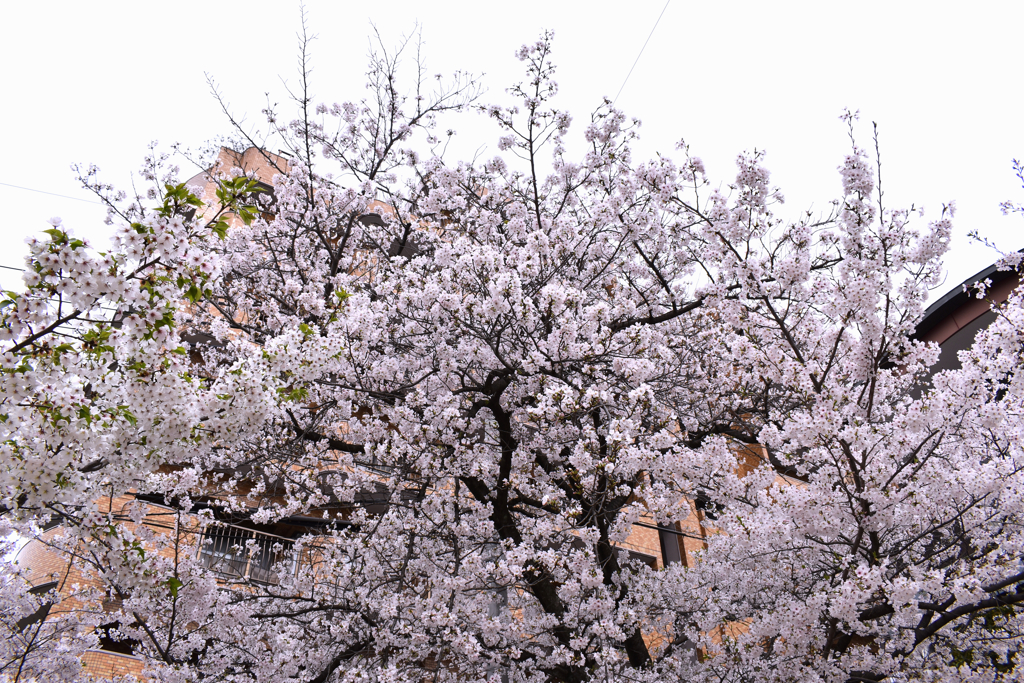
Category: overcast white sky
[95,82]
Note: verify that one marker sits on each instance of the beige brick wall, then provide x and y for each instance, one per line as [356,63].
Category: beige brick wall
[263,166]
[645,540]
[102,664]
[41,564]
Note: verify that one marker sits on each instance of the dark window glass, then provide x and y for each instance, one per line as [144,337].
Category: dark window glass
[111,639]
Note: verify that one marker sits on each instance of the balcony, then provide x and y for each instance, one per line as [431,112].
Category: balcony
[239,554]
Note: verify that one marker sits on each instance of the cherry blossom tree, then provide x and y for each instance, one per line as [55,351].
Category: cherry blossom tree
[479,376]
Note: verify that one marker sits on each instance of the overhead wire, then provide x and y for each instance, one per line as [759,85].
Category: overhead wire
[670,530]
[641,52]
[52,194]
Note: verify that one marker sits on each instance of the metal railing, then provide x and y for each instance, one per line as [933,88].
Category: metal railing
[237,553]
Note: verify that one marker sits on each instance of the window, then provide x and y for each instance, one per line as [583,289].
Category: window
[238,553]
[710,508]
[44,606]
[264,200]
[112,640]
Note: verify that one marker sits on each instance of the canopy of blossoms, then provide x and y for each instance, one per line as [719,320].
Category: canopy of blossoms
[479,376]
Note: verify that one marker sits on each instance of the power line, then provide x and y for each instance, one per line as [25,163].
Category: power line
[53,194]
[670,530]
[641,52]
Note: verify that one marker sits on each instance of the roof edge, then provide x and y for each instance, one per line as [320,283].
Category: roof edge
[957,297]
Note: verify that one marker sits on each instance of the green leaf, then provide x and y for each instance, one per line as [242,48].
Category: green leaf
[132,420]
[247,214]
[173,584]
[289,394]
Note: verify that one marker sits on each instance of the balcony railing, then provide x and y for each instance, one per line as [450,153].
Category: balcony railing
[237,553]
